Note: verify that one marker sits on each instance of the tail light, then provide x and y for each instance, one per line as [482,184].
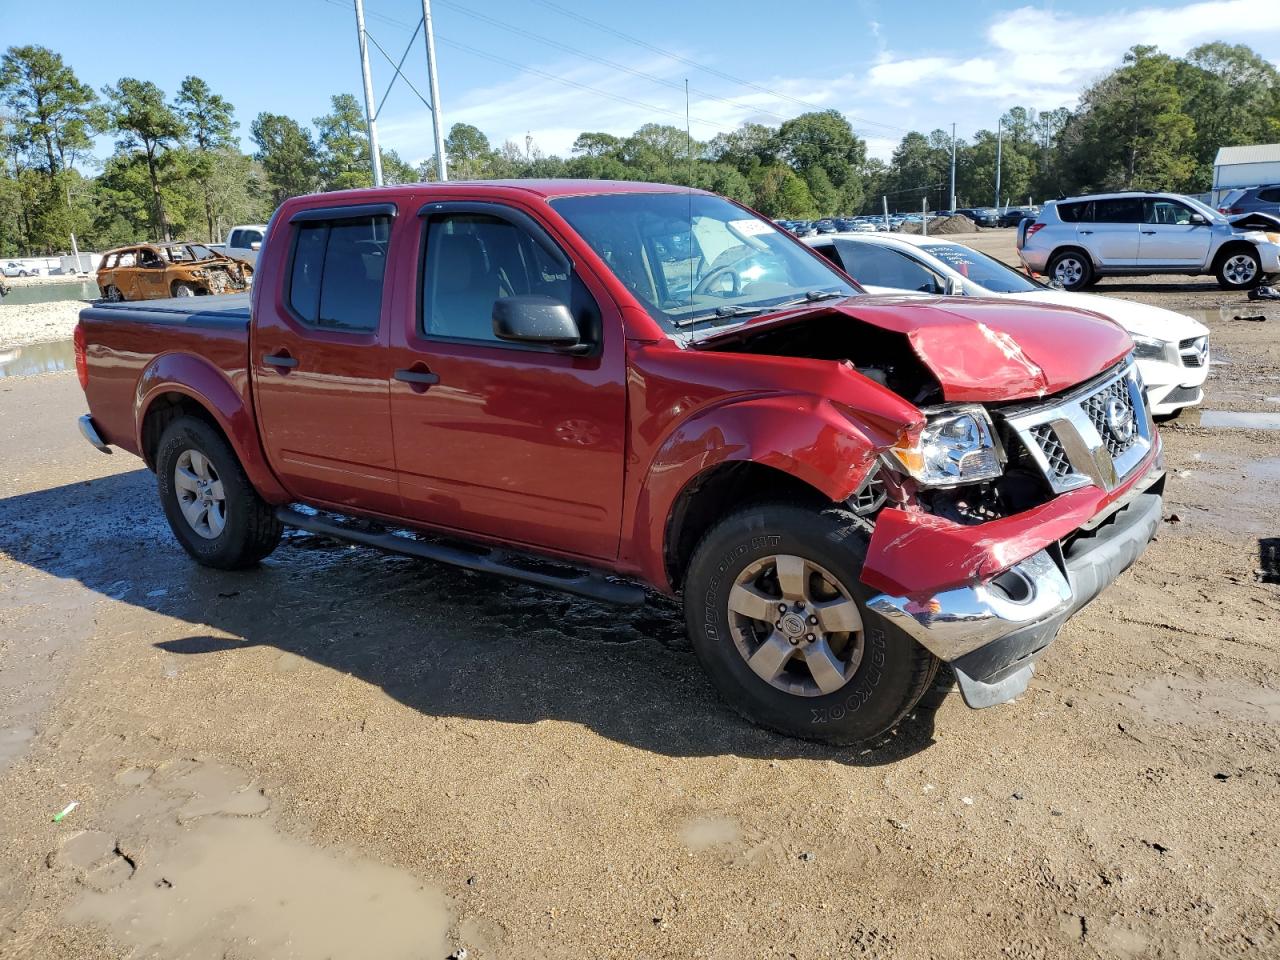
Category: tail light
[1031,230]
[82,367]
[1231,211]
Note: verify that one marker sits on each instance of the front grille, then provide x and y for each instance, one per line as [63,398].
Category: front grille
[1096,434]
[1182,395]
[1054,451]
[1109,419]
[1194,352]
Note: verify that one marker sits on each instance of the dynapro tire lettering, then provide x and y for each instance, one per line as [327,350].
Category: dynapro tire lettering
[868,680]
[713,584]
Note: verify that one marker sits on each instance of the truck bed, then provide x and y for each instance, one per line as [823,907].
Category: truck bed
[208,337]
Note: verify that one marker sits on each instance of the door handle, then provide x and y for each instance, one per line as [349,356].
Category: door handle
[1149,233]
[422,377]
[280,360]
[1086,232]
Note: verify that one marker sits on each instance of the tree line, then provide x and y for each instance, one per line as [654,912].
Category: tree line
[177,170]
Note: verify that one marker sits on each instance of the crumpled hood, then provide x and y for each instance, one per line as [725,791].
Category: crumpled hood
[983,350]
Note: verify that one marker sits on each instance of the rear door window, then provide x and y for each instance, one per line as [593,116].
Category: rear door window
[1269,195]
[1119,210]
[336,275]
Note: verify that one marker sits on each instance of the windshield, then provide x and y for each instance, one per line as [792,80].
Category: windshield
[697,260]
[985,271]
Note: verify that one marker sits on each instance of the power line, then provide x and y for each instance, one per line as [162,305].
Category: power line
[573,15]
[604,61]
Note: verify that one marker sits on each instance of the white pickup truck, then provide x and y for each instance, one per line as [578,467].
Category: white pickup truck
[244,242]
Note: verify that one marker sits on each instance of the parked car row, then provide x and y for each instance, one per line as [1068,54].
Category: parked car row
[1078,240]
[874,223]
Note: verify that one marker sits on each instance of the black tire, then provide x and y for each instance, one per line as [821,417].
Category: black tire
[1233,272]
[112,294]
[1075,266]
[893,673]
[250,531]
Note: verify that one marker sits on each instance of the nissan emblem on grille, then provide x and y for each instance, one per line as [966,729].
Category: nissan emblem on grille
[1120,419]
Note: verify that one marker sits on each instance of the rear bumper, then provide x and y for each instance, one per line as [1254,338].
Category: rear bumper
[992,632]
[90,432]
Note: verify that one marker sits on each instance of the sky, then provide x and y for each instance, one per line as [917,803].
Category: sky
[550,69]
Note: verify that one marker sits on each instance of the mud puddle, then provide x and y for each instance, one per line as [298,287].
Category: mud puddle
[1182,700]
[36,358]
[190,863]
[1234,420]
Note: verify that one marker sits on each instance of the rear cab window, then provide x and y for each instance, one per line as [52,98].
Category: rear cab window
[336,271]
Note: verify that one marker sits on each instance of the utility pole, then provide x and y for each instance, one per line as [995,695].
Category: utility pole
[442,169]
[375,155]
[999,145]
[924,216]
[886,211]
[952,208]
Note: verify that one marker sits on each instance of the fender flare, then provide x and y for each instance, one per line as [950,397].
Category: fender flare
[210,387]
[805,436]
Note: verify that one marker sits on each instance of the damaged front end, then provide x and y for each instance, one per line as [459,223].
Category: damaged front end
[1029,482]
[984,572]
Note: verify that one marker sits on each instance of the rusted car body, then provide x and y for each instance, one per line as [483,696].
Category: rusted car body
[157,271]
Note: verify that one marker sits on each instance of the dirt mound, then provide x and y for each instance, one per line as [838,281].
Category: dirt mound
[944,225]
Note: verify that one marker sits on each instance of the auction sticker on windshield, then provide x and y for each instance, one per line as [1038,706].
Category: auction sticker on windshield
[750,228]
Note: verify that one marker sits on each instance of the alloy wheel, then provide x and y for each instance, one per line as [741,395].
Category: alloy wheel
[1069,271]
[796,625]
[200,494]
[1240,269]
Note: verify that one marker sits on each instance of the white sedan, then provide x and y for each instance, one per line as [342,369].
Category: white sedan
[1172,349]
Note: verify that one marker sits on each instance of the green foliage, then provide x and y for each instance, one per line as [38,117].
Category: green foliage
[1153,122]
[287,154]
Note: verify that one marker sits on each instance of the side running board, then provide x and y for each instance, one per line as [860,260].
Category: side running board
[553,576]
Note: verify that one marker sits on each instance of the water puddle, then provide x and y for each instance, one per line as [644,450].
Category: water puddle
[188,865]
[1239,421]
[50,292]
[36,358]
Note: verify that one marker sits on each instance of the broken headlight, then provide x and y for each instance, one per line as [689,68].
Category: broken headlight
[954,447]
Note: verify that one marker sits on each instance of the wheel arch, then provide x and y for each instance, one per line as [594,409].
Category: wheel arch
[787,447]
[1072,248]
[1230,247]
[174,384]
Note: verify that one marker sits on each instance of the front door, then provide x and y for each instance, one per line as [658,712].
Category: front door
[150,275]
[516,442]
[319,359]
[1170,238]
[1112,236]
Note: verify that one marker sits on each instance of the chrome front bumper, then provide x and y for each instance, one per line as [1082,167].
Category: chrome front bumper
[90,433]
[992,632]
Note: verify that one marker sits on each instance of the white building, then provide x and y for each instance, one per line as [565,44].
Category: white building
[1250,166]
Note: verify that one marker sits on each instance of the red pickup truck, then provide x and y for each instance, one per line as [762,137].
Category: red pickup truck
[601,387]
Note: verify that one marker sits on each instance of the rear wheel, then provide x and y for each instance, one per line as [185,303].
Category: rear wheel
[778,618]
[113,294]
[1072,269]
[1239,270]
[212,508]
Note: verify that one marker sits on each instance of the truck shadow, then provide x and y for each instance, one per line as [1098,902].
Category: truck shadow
[439,640]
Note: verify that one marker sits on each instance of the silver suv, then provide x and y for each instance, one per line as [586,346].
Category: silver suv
[1077,240]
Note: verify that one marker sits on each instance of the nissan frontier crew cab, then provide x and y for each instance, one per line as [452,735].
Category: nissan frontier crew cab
[602,387]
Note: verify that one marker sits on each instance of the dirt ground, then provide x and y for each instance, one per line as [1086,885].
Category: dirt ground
[344,754]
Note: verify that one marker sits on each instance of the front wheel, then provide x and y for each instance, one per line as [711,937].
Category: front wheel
[778,618]
[1239,270]
[183,290]
[213,509]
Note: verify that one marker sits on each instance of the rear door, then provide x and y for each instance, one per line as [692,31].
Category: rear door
[1168,236]
[125,275]
[1112,236]
[512,441]
[319,358]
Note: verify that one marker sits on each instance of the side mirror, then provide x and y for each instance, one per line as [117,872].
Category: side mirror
[255,245]
[1199,220]
[951,287]
[538,320]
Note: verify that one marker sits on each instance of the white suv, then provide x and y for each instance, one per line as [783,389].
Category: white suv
[1077,240]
